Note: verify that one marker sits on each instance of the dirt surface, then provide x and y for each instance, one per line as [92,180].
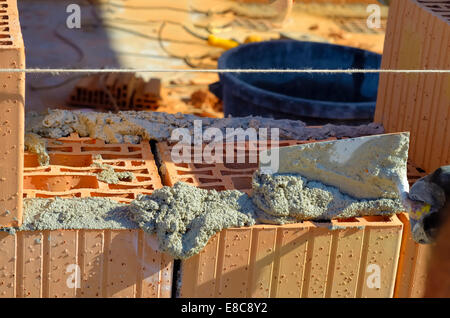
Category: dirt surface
[161,34]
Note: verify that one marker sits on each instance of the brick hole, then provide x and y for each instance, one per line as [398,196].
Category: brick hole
[125,156]
[377,218]
[77,170]
[59,183]
[206,180]
[143,179]
[115,163]
[130,186]
[182,165]
[242,182]
[134,149]
[241,166]
[188,180]
[234,172]
[181,173]
[31,160]
[60,149]
[6,43]
[47,196]
[70,161]
[420,170]
[202,165]
[141,171]
[216,187]
[348,220]
[90,149]
[113,195]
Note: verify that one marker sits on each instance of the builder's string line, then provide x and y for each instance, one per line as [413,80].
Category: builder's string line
[132,70]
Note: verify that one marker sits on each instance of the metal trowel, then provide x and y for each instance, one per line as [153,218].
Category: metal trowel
[370,167]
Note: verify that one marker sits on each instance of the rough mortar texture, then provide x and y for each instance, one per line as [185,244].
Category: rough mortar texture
[75,213]
[186,217]
[289,198]
[110,176]
[36,144]
[369,167]
[132,127]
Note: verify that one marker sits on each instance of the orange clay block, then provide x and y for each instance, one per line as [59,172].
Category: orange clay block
[12,99]
[299,260]
[218,176]
[70,173]
[418,37]
[413,262]
[413,265]
[111,263]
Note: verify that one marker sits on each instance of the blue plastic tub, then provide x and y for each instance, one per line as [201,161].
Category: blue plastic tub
[313,98]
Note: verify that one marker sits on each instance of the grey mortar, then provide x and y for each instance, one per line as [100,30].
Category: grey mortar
[132,127]
[38,145]
[75,213]
[290,198]
[109,175]
[185,217]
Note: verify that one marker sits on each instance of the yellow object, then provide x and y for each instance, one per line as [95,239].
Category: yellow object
[423,210]
[222,43]
[253,38]
[229,44]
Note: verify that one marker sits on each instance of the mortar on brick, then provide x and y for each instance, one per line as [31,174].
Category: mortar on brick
[38,145]
[289,198]
[109,175]
[186,217]
[132,127]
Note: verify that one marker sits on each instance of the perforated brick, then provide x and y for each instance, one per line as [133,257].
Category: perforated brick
[71,174]
[218,176]
[301,260]
[111,263]
[418,37]
[12,99]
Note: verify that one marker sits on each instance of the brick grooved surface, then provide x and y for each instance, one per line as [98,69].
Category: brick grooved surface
[87,248]
[12,99]
[298,264]
[299,260]
[113,263]
[70,173]
[417,37]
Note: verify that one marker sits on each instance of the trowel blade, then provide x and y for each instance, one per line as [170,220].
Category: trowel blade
[367,167]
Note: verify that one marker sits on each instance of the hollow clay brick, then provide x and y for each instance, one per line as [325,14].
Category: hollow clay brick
[112,263]
[12,99]
[299,260]
[70,173]
[418,37]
